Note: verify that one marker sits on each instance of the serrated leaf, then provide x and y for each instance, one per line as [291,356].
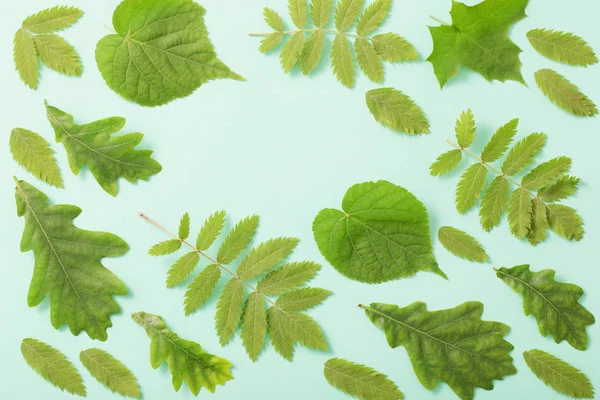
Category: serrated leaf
[461,244]
[520,212]
[446,162]
[539,222]
[165,247]
[288,277]
[312,51]
[211,229]
[382,234]
[110,372]
[291,51]
[270,42]
[287,328]
[238,239]
[229,310]
[565,222]
[53,366]
[561,189]
[182,268]
[298,12]
[470,186]
[438,342]
[273,19]
[33,152]
[187,361]
[302,299]
[346,13]
[360,381]
[108,157]
[201,288]
[52,19]
[559,375]
[564,94]
[522,153]
[554,304]
[563,47]
[500,141]
[373,17]
[56,53]
[254,325]
[465,129]
[493,203]
[184,227]
[395,110]
[394,48]
[68,264]
[264,257]
[546,173]
[25,58]
[160,52]
[369,61]
[342,61]
[320,11]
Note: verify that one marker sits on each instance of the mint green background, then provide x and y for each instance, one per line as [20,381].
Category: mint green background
[284,147]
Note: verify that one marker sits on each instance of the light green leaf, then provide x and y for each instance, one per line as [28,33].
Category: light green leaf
[264,257]
[254,325]
[500,141]
[373,17]
[395,110]
[520,212]
[559,375]
[56,53]
[229,310]
[346,13]
[273,19]
[470,186]
[211,229]
[446,162]
[565,222]
[302,299]
[270,42]
[201,288]
[52,19]
[165,247]
[187,361]
[561,189]
[311,52]
[554,304]
[161,51]
[382,234]
[539,222]
[394,48]
[68,264]
[462,244]
[465,129]
[110,372]
[438,342]
[288,277]
[445,58]
[238,239]
[546,173]
[291,51]
[184,227]
[564,94]
[298,12]
[53,366]
[342,61]
[182,268]
[286,328]
[563,47]
[369,61]
[108,157]
[33,152]
[522,153]
[320,11]
[360,381]
[493,203]
[25,58]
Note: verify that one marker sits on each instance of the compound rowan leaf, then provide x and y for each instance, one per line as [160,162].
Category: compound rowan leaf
[346,13]
[446,162]
[342,61]
[184,227]
[266,256]
[465,129]
[25,58]
[238,239]
[522,153]
[110,372]
[270,42]
[312,51]
[201,288]
[500,141]
[254,325]
[565,222]
[288,277]
[288,328]
[320,11]
[273,19]
[564,94]
[165,247]
[461,244]
[561,189]
[546,173]
[360,381]
[302,299]
[369,61]
[182,268]
[298,12]
[493,203]
[52,19]
[470,186]
[33,152]
[210,231]
[373,17]
[395,110]
[290,54]
[520,212]
[68,264]
[539,222]
[563,47]
[229,310]
[57,54]
[394,48]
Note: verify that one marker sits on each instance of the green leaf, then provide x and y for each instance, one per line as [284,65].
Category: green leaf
[68,267]
[286,328]
[182,268]
[564,94]
[211,229]
[53,366]
[288,277]
[229,310]
[565,222]
[346,13]
[561,189]
[394,48]
[520,212]
[478,39]
[454,345]
[108,157]
[56,53]
[270,42]
[493,203]
[298,12]
[369,61]
[273,19]
[320,11]
[470,186]
[342,61]
[52,19]
[465,129]
[33,152]
[563,47]
[254,325]
[187,361]
[461,244]
[554,304]
[500,141]
[165,247]
[395,110]
[360,381]
[373,17]
[311,52]
[559,375]
[546,173]
[110,372]
[264,257]
[446,162]
[201,288]
[238,239]
[302,299]
[539,222]
[160,52]
[522,153]
[291,51]
[184,227]
[25,58]
[382,234]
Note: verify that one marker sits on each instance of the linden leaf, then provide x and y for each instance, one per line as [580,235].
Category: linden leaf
[563,47]
[462,244]
[33,152]
[564,94]
[360,381]
[395,110]
[110,372]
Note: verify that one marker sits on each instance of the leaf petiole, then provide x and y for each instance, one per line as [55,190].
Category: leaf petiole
[439,20]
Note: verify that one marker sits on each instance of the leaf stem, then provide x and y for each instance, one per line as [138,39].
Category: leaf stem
[439,20]
[209,258]
[305,31]
[109,28]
